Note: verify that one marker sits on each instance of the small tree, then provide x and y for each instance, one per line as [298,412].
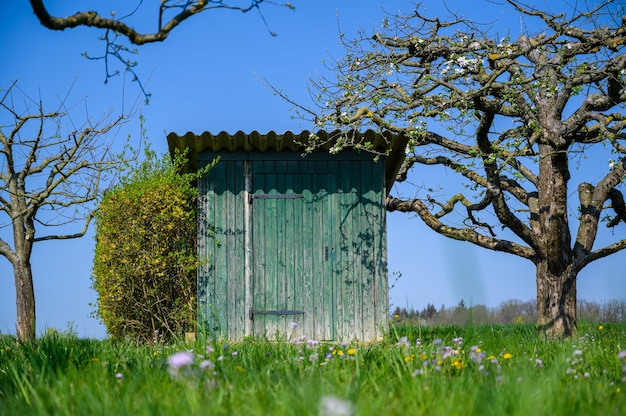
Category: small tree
[145,262]
[51,173]
[519,113]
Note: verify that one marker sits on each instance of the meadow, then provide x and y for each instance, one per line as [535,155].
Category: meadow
[446,370]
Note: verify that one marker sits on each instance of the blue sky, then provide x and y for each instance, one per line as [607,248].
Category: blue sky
[205,77]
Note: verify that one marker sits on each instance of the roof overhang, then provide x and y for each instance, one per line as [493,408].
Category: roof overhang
[391,144]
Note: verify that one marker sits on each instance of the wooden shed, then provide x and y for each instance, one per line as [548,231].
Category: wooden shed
[293,244]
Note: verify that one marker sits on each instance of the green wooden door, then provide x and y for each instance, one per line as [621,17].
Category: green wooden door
[292,252]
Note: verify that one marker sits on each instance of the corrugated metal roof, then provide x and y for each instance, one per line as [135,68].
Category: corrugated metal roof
[289,141]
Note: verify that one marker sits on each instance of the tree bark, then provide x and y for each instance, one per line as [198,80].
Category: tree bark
[556,275]
[25,300]
[556,302]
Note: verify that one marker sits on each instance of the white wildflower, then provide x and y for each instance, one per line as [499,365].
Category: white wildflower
[334,406]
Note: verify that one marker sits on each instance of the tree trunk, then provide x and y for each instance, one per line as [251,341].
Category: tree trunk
[556,302]
[25,300]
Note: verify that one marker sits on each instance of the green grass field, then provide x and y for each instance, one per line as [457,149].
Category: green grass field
[486,370]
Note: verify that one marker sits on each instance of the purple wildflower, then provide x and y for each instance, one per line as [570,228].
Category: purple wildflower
[476,354]
[403,342]
[180,359]
[447,352]
[312,342]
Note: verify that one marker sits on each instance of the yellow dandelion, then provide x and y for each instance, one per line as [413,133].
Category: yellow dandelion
[337,352]
[507,356]
[351,351]
[458,364]
[600,328]
[409,358]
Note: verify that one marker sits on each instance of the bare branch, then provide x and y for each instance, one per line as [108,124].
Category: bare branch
[48,179]
[94,19]
[463,234]
[169,15]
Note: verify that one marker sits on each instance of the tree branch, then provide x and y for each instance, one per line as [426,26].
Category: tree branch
[462,234]
[94,19]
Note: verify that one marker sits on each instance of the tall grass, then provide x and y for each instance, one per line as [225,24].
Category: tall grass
[487,370]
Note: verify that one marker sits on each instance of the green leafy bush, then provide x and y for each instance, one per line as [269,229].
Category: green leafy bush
[145,261]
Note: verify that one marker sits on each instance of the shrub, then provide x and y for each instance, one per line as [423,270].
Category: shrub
[145,261]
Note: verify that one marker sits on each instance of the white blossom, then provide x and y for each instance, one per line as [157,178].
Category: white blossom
[334,406]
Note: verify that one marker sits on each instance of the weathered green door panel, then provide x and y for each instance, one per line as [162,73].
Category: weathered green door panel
[220,245]
[289,246]
[360,267]
[322,253]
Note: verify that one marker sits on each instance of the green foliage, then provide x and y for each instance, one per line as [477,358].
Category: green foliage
[452,370]
[145,262]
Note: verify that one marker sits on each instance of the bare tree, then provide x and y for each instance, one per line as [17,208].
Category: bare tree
[51,172]
[167,15]
[521,115]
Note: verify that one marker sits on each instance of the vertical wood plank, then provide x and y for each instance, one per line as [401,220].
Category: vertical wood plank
[307,238]
[368,228]
[237,256]
[259,248]
[248,244]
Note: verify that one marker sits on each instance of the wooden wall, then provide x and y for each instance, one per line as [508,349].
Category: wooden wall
[287,239]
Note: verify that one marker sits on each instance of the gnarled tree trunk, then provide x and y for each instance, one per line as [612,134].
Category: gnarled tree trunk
[556,276]
[556,302]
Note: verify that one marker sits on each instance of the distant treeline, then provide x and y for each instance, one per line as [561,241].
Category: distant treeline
[508,312]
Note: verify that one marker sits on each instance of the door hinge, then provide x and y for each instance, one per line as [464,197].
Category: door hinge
[253,312]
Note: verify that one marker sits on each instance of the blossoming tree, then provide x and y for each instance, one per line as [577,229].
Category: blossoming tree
[511,119]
